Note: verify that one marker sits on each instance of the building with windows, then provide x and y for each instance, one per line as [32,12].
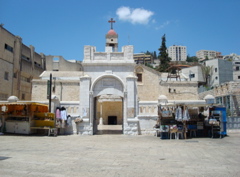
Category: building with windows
[19,64]
[221,71]
[235,59]
[210,54]
[193,73]
[142,58]
[177,53]
[236,70]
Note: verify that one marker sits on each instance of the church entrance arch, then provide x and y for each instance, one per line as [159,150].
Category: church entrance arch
[108,105]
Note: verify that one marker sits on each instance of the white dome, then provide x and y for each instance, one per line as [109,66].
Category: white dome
[209,99]
[162,97]
[13,99]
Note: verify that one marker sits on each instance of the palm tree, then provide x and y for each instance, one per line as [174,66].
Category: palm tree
[207,72]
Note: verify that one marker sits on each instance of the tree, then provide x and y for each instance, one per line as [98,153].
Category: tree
[154,55]
[163,56]
[207,73]
[192,59]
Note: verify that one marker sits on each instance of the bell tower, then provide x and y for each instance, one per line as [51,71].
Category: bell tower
[112,37]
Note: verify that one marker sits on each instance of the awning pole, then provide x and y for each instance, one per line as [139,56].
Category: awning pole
[50,93]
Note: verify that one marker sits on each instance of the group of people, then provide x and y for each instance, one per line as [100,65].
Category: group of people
[62,118]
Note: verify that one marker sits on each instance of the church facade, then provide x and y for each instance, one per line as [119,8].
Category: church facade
[111,89]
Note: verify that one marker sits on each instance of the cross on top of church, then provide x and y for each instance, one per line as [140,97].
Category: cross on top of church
[111,21]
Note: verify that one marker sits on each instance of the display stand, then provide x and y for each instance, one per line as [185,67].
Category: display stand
[26,117]
[44,121]
[215,122]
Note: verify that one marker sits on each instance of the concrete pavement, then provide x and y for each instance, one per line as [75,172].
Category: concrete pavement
[118,155]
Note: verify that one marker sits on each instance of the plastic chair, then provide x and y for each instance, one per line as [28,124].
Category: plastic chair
[179,132]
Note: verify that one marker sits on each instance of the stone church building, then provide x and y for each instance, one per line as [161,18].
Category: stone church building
[110,88]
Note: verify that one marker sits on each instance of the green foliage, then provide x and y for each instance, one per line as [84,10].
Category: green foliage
[163,56]
[192,59]
[207,73]
[153,54]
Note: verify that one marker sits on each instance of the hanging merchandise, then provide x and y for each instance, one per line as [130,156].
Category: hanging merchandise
[186,114]
[178,114]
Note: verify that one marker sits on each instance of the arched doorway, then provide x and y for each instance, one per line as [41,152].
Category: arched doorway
[107,105]
[109,114]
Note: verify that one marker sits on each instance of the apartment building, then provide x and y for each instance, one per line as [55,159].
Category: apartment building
[210,54]
[141,58]
[235,59]
[221,71]
[19,64]
[177,53]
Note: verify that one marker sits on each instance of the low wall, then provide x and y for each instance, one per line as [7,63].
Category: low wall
[146,124]
[233,124]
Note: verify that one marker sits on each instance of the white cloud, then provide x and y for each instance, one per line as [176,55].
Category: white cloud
[154,21]
[163,25]
[138,15]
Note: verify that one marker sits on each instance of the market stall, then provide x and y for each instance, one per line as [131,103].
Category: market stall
[26,118]
[191,120]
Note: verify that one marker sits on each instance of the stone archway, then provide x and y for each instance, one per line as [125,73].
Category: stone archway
[108,89]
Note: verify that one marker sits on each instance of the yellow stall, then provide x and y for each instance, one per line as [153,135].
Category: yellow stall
[26,118]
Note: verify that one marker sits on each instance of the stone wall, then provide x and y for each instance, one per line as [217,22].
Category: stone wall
[146,124]
[148,88]
[174,90]
[64,90]
[233,124]
[60,64]
[203,94]
[84,128]
[131,127]
[179,90]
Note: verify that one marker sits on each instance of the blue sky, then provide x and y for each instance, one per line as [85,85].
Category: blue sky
[63,27]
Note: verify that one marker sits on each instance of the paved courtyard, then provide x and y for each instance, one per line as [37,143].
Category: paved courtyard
[118,155]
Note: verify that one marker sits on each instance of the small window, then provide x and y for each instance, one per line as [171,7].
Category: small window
[237,68]
[25,58]
[56,59]
[215,70]
[9,48]
[139,77]
[238,77]
[6,75]
[23,96]
[15,75]
[3,96]
[216,78]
